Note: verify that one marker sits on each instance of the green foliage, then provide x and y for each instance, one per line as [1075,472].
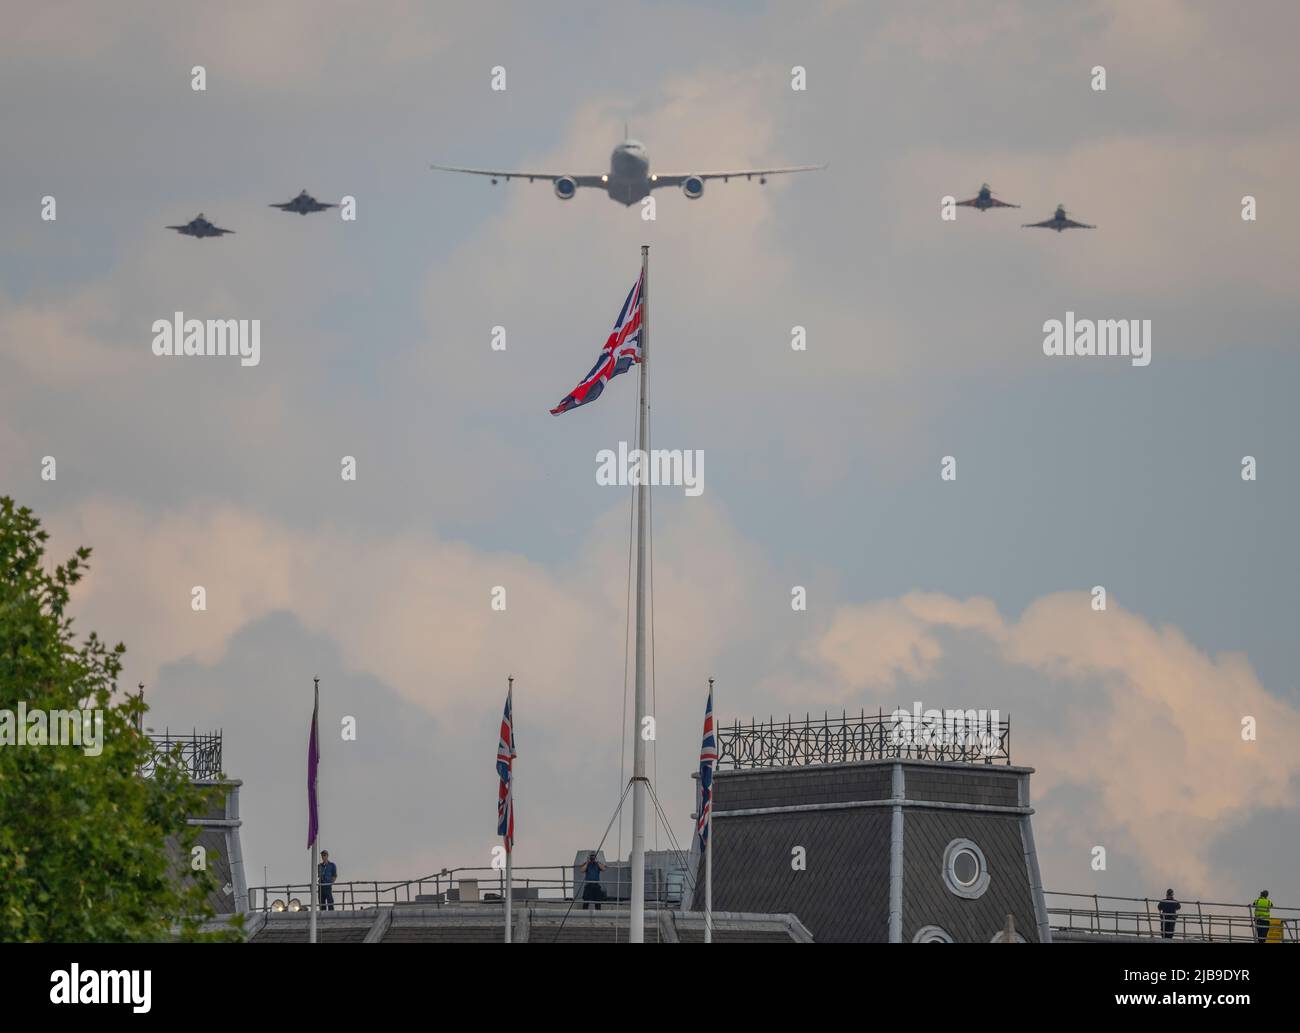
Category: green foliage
[84,839]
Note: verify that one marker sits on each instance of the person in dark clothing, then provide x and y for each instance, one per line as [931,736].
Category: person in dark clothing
[1168,909]
[592,891]
[1263,908]
[326,873]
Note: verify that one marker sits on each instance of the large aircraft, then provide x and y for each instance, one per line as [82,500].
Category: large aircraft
[199,227]
[303,204]
[1058,222]
[985,200]
[629,178]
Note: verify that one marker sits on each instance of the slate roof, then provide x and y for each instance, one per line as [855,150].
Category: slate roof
[928,901]
[841,895]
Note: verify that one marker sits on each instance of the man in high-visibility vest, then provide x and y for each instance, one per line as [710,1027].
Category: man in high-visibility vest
[1263,907]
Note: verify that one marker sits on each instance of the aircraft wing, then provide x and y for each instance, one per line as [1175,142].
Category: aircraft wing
[1045,224]
[675,179]
[972,203]
[995,203]
[1071,224]
[218,230]
[549,177]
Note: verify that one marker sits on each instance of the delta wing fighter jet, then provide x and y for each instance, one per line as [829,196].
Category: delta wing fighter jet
[629,178]
[199,227]
[985,200]
[1058,222]
[303,204]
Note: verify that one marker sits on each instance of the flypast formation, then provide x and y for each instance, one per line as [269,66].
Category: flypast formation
[1059,221]
[629,180]
[199,226]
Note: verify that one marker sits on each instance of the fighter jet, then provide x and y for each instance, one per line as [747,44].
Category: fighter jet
[629,178]
[199,227]
[1058,222]
[985,200]
[303,204]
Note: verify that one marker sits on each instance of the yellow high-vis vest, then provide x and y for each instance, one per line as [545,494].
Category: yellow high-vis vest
[1262,907]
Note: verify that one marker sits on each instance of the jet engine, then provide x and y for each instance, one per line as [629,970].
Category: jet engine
[692,187]
[565,187]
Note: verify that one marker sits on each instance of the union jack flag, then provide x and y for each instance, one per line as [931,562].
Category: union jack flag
[704,787]
[622,349]
[505,762]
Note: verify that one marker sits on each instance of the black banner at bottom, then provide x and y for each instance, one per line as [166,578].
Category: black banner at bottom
[150,982]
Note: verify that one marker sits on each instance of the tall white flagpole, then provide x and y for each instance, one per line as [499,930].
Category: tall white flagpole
[508,895]
[313,887]
[510,695]
[708,843]
[636,930]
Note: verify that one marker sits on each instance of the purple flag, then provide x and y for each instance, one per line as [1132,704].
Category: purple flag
[313,760]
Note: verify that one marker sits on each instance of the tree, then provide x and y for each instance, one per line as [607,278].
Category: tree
[84,853]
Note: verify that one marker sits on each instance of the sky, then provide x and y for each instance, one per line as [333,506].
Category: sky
[822,466]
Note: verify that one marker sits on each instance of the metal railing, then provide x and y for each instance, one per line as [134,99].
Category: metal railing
[200,752]
[984,738]
[1139,916]
[550,883]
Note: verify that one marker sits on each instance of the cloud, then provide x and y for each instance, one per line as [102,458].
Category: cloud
[296,45]
[1107,704]
[407,619]
[412,609]
[61,344]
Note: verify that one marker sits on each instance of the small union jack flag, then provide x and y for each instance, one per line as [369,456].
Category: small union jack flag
[622,349]
[505,764]
[704,788]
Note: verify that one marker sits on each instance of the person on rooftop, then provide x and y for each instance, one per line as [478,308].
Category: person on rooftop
[1263,908]
[1168,909]
[592,891]
[328,872]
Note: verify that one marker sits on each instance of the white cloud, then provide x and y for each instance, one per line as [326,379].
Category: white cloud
[1116,707]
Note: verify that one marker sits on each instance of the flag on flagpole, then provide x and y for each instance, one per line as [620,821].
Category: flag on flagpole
[505,764]
[313,761]
[704,787]
[622,349]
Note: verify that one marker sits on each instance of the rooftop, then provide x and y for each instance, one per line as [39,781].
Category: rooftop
[534,922]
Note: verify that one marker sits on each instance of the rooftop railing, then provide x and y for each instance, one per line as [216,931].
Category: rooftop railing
[1197,920]
[199,752]
[963,736]
[555,884]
